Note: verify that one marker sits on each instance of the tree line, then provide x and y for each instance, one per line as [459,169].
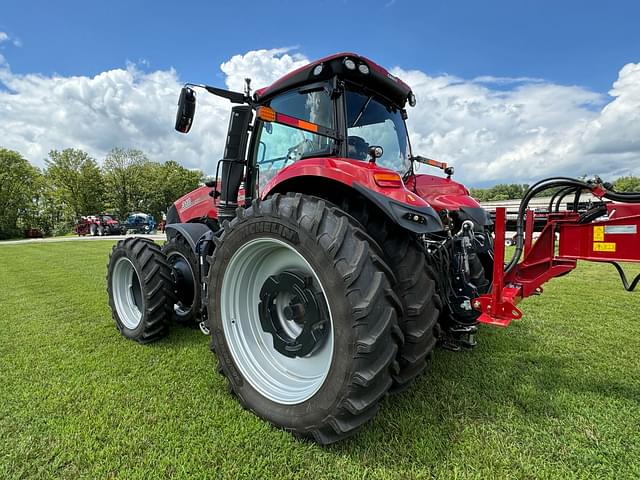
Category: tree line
[515,191]
[73,184]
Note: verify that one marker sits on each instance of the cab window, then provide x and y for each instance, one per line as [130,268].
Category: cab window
[281,145]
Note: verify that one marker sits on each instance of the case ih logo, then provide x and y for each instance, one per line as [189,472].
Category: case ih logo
[186,204]
[189,202]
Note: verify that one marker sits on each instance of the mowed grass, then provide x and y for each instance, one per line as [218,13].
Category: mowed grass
[554,395]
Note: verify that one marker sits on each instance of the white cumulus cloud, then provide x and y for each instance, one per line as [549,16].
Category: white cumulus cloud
[489,132]
[262,66]
[534,130]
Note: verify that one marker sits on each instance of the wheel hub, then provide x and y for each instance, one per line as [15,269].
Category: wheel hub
[293,310]
[184,281]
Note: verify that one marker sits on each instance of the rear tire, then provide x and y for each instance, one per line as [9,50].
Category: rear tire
[322,396]
[140,289]
[415,286]
[184,266]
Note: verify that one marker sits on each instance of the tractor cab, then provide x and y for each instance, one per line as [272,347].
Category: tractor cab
[341,106]
[337,124]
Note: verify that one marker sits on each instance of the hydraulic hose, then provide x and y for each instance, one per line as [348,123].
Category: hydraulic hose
[532,192]
[631,197]
[569,186]
[559,194]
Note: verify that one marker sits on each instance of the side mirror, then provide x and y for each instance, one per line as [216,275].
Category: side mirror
[186,110]
[210,181]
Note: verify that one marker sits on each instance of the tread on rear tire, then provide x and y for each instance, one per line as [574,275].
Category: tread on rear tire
[415,286]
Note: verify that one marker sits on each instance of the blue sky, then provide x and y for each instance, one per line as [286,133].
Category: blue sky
[507,90]
[568,42]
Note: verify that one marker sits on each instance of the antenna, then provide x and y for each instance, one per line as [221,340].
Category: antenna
[247,88]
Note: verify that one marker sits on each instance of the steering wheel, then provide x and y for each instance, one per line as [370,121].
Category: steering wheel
[295,153]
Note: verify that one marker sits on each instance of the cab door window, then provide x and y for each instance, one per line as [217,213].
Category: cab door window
[281,145]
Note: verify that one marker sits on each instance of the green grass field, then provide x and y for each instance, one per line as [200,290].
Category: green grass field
[556,395]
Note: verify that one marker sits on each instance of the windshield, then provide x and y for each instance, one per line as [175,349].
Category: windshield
[370,122]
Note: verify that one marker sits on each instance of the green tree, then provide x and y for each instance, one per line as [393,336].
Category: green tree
[501,191]
[165,183]
[76,182]
[19,185]
[124,180]
[134,183]
[627,184]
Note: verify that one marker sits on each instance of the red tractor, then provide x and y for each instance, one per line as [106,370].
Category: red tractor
[324,267]
[98,225]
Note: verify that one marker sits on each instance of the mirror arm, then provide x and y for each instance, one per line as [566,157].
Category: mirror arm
[233,97]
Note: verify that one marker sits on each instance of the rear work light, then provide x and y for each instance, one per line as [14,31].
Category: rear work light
[350,64]
[387,179]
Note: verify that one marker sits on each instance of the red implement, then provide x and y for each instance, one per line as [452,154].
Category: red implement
[613,239]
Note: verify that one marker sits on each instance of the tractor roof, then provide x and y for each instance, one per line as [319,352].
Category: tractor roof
[377,79]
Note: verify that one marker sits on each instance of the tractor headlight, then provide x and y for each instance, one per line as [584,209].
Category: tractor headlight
[317,70]
[364,69]
[350,64]
[412,99]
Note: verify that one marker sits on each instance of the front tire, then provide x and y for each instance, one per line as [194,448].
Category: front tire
[140,289]
[331,387]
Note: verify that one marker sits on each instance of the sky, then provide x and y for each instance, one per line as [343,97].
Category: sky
[508,91]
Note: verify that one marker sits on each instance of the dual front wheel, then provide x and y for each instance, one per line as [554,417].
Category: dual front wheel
[303,316]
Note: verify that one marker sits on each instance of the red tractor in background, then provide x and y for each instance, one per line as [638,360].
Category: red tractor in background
[99,225]
[324,266]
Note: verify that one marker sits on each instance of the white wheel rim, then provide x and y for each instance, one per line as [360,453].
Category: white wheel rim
[127,294]
[280,378]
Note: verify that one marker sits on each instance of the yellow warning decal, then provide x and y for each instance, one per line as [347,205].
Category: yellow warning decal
[598,236]
[604,247]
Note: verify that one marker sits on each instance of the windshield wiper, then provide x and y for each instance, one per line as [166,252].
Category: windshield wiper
[364,107]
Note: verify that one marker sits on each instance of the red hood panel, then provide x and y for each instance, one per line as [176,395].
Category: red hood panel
[442,193]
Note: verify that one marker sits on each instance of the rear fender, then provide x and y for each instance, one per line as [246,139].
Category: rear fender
[331,178]
[192,232]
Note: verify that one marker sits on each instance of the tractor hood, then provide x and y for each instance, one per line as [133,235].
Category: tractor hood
[349,66]
[444,193]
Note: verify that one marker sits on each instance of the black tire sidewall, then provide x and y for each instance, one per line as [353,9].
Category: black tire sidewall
[337,380]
